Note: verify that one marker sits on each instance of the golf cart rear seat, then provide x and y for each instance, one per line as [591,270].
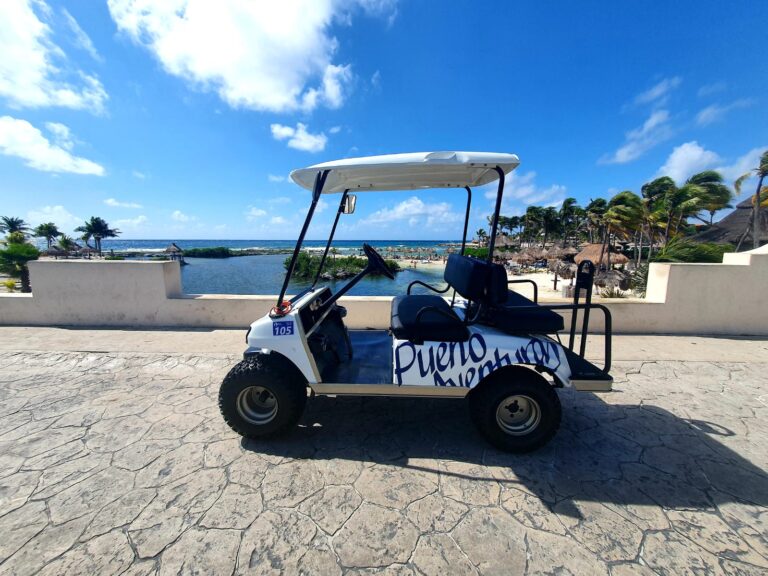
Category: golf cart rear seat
[427,317]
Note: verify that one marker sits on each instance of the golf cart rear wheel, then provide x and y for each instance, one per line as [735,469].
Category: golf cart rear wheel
[516,410]
[262,396]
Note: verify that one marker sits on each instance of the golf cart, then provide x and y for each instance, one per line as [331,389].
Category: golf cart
[474,338]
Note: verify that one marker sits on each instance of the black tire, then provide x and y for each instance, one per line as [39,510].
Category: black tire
[516,410]
[264,395]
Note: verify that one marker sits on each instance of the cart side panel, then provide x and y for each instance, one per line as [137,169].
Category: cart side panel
[465,364]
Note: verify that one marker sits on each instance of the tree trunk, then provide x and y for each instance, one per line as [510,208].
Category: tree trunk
[746,232]
[24,277]
[639,246]
[606,234]
[756,215]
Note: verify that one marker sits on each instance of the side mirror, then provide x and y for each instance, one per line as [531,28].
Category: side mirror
[349,204]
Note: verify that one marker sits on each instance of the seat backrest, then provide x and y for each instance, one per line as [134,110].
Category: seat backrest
[476,280]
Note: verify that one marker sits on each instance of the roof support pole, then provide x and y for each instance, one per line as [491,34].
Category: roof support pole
[466,219]
[495,225]
[330,238]
[316,191]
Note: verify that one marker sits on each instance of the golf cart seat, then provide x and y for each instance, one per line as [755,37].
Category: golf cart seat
[437,322]
[510,318]
[469,277]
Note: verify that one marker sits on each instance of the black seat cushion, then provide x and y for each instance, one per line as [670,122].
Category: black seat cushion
[510,318]
[475,279]
[432,325]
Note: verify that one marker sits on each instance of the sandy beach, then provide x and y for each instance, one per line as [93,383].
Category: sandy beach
[543,279]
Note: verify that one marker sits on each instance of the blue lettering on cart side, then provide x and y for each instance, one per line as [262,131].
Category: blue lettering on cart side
[282,328]
[473,358]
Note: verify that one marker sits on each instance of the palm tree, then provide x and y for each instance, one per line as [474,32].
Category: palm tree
[14,258]
[49,231]
[10,224]
[98,229]
[594,213]
[571,218]
[481,235]
[717,195]
[761,172]
[550,223]
[653,214]
[66,243]
[624,216]
[532,222]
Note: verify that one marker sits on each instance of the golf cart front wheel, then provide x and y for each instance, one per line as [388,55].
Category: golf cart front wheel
[518,411]
[262,396]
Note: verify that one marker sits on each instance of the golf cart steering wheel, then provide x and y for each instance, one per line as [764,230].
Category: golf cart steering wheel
[376,262]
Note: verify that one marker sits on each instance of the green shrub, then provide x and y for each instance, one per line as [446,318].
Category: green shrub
[612,292]
[638,281]
[481,253]
[10,285]
[215,252]
[338,267]
[685,250]
[114,257]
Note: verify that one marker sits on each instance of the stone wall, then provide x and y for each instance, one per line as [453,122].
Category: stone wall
[681,299]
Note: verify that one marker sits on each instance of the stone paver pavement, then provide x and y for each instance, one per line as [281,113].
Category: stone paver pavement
[119,463]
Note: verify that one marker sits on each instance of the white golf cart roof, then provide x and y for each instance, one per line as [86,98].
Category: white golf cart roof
[412,171]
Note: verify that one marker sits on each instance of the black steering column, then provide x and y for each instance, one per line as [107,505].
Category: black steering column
[375,264]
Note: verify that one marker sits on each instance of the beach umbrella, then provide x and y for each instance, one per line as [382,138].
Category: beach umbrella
[561,252]
[55,252]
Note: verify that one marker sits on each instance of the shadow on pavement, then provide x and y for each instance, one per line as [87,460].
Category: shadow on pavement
[622,454]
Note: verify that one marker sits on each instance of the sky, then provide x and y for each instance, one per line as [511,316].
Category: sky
[182,119]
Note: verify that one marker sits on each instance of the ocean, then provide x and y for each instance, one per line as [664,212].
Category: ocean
[264,274]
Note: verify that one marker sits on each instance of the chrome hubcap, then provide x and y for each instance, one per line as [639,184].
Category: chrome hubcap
[518,415]
[257,405]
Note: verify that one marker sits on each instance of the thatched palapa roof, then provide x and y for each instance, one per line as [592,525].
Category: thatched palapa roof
[173,249]
[592,252]
[732,227]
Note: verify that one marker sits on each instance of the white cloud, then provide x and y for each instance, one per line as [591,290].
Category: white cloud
[686,160]
[637,142]
[139,175]
[20,139]
[334,130]
[743,164]
[714,88]
[59,215]
[34,71]
[275,56]
[659,93]
[179,216]
[252,213]
[117,204]
[416,212]
[131,223]
[298,137]
[61,135]
[280,200]
[82,40]
[522,187]
[716,112]
[274,178]
[278,220]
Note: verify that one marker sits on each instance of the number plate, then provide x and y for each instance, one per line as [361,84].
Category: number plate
[283,328]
